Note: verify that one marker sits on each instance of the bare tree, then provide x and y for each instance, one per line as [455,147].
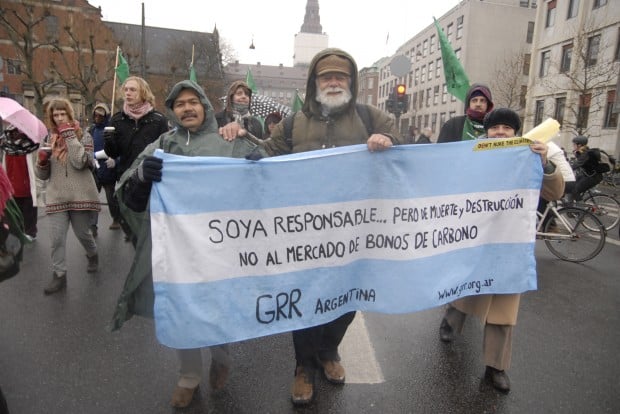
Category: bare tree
[21,26]
[584,75]
[510,81]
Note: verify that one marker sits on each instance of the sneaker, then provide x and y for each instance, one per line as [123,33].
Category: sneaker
[93,263]
[182,397]
[302,390]
[333,370]
[58,283]
[114,225]
[218,375]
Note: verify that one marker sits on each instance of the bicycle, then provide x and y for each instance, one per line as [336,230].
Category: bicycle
[571,233]
[604,206]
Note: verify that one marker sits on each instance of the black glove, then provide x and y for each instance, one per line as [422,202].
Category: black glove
[108,134]
[149,169]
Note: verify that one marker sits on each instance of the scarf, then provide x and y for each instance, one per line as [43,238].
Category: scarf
[59,145]
[137,111]
[471,130]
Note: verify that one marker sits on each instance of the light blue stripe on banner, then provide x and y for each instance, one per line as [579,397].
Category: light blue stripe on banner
[481,204]
[333,175]
[197,315]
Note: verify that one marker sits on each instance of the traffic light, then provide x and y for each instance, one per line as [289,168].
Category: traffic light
[390,103]
[402,100]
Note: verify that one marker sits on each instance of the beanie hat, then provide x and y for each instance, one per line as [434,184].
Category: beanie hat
[101,109]
[503,116]
[333,63]
[580,140]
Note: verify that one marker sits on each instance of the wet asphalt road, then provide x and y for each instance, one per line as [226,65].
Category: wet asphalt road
[57,355]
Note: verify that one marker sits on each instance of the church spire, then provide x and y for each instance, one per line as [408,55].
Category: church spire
[312,20]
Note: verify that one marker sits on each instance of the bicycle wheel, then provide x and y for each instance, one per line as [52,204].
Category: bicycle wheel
[574,240]
[605,207]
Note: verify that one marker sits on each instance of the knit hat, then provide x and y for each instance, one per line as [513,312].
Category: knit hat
[101,109]
[479,89]
[503,116]
[333,63]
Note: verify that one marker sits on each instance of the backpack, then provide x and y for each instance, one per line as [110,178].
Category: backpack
[606,162]
[362,111]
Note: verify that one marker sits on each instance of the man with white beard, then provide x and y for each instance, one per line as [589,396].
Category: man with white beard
[329,118]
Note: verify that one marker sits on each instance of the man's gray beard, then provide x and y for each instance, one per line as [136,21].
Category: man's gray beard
[332,103]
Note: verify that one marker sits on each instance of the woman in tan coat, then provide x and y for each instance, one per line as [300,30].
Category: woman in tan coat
[499,312]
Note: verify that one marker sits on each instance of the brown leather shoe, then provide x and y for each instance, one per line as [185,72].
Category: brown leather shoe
[218,375]
[498,378]
[333,370]
[182,397]
[303,386]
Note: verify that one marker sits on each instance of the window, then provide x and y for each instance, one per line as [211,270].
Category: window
[13,67]
[419,121]
[432,44]
[449,31]
[560,106]
[434,122]
[617,54]
[51,27]
[418,54]
[459,27]
[584,111]
[592,53]
[539,112]
[436,95]
[611,116]
[438,68]
[550,20]
[530,32]
[523,96]
[452,114]
[442,118]
[527,58]
[414,99]
[524,3]
[423,77]
[425,48]
[430,71]
[544,63]
[428,97]
[444,93]
[425,120]
[421,99]
[457,53]
[416,77]
[370,83]
[573,8]
[599,3]
[567,53]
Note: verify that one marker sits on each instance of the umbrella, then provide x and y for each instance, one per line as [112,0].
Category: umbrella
[263,105]
[22,119]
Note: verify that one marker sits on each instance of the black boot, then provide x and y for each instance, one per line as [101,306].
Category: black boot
[498,378]
[446,333]
[93,263]
[58,283]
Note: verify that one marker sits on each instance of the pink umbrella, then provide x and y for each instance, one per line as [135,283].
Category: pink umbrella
[18,116]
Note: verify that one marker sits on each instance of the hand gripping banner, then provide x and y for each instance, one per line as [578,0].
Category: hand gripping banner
[243,249]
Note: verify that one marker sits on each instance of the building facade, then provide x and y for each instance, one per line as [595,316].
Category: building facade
[575,70]
[489,49]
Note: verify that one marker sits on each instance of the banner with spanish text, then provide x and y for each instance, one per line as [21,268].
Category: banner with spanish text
[243,249]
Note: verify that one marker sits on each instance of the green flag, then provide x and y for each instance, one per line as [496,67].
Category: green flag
[456,78]
[249,79]
[192,73]
[122,70]
[297,102]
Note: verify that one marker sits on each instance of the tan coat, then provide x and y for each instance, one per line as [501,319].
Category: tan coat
[503,309]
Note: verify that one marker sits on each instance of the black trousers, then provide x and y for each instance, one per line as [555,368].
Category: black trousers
[29,212]
[321,341]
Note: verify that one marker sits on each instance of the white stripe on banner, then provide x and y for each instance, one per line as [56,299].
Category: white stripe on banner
[258,248]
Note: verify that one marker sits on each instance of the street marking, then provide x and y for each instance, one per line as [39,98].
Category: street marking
[358,355]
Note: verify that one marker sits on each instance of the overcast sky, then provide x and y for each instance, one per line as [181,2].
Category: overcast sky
[360,28]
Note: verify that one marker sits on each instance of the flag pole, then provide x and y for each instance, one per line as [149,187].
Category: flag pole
[114,84]
[192,55]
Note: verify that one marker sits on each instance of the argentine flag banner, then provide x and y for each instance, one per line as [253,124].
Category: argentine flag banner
[243,249]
